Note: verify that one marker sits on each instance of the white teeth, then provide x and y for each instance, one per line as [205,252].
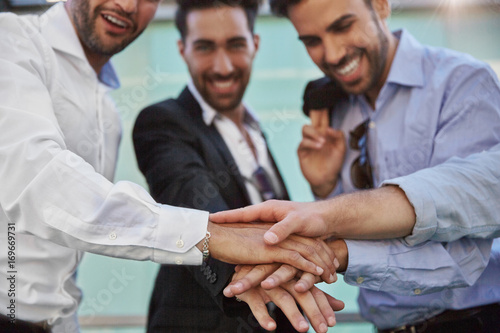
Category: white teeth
[116,21]
[350,67]
[223,85]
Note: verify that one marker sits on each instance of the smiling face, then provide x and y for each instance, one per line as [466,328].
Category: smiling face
[348,40]
[219,49]
[106,27]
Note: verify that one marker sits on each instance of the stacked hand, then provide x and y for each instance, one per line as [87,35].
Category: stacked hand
[318,306]
[243,243]
[294,266]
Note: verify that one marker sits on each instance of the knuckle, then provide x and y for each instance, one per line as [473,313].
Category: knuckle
[310,250]
[288,270]
[294,256]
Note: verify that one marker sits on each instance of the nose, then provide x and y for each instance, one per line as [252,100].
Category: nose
[222,64]
[128,6]
[335,51]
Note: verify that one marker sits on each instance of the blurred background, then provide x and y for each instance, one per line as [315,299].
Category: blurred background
[116,292]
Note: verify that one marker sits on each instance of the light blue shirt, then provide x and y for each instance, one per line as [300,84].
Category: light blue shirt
[435,104]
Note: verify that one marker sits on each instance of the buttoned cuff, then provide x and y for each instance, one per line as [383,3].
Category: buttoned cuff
[366,270]
[178,232]
[418,194]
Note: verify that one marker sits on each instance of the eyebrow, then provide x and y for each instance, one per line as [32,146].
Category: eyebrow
[237,39]
[334,26]
[210,41]
[203,41]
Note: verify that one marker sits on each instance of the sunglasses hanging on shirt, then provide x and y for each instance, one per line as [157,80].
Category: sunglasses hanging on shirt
[361,170]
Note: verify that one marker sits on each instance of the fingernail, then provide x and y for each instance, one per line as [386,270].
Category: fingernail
[270,281]
[331,321]
[335,277]
[238,285]
[271,237]
[336,263]
[300,285]
[323,327]
[332,278]
[319,270]
[303,325]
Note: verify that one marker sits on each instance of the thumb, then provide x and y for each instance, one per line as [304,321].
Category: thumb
[280,231]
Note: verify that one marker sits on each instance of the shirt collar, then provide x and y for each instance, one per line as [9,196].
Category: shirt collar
[407,65]
[209,114]
[57,29]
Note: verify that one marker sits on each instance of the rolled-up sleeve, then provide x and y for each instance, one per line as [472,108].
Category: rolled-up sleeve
[456,199]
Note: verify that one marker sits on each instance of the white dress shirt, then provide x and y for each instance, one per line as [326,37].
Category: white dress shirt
[238,146]
[59,135]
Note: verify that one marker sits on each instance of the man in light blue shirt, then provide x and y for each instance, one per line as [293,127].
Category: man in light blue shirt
[409,108]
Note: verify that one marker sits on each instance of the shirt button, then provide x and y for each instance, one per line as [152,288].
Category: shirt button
[112,236]
[372,124]
[417,291]
[180,243]
[178,261]
[360,280]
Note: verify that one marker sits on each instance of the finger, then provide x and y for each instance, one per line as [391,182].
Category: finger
[281,230]
[249,279]
[312,133]
[261,212]
[258,307]
[336,304]
[310,307]
[324,305]
[319,119]
[287,304]
[326,253]
[315,251]
[283,274]
[335,134]
[295,259]
[240,272]
[308,144]
[306,282]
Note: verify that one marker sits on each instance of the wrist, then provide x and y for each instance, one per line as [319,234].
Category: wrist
[339,248]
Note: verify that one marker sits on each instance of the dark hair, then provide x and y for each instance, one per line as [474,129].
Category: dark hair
[250,7]
[280,7]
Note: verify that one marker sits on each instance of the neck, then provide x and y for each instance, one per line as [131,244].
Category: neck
[372,94]
[236,115]
[96,61]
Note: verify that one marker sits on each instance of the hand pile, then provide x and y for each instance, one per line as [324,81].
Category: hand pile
[277,263]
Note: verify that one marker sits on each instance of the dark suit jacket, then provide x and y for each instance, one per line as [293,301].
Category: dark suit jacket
[186,163]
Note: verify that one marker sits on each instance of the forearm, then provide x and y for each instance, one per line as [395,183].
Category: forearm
[375,214]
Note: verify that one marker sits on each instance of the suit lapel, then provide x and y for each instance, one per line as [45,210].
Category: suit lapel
[187,101]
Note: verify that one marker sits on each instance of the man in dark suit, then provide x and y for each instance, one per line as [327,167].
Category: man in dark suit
[205,150]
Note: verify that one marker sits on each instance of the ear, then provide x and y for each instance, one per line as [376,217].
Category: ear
[256,41]
[382,8]
[180,47]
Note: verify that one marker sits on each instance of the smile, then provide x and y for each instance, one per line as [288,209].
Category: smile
[223,84]
[115,21]
[350,67]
